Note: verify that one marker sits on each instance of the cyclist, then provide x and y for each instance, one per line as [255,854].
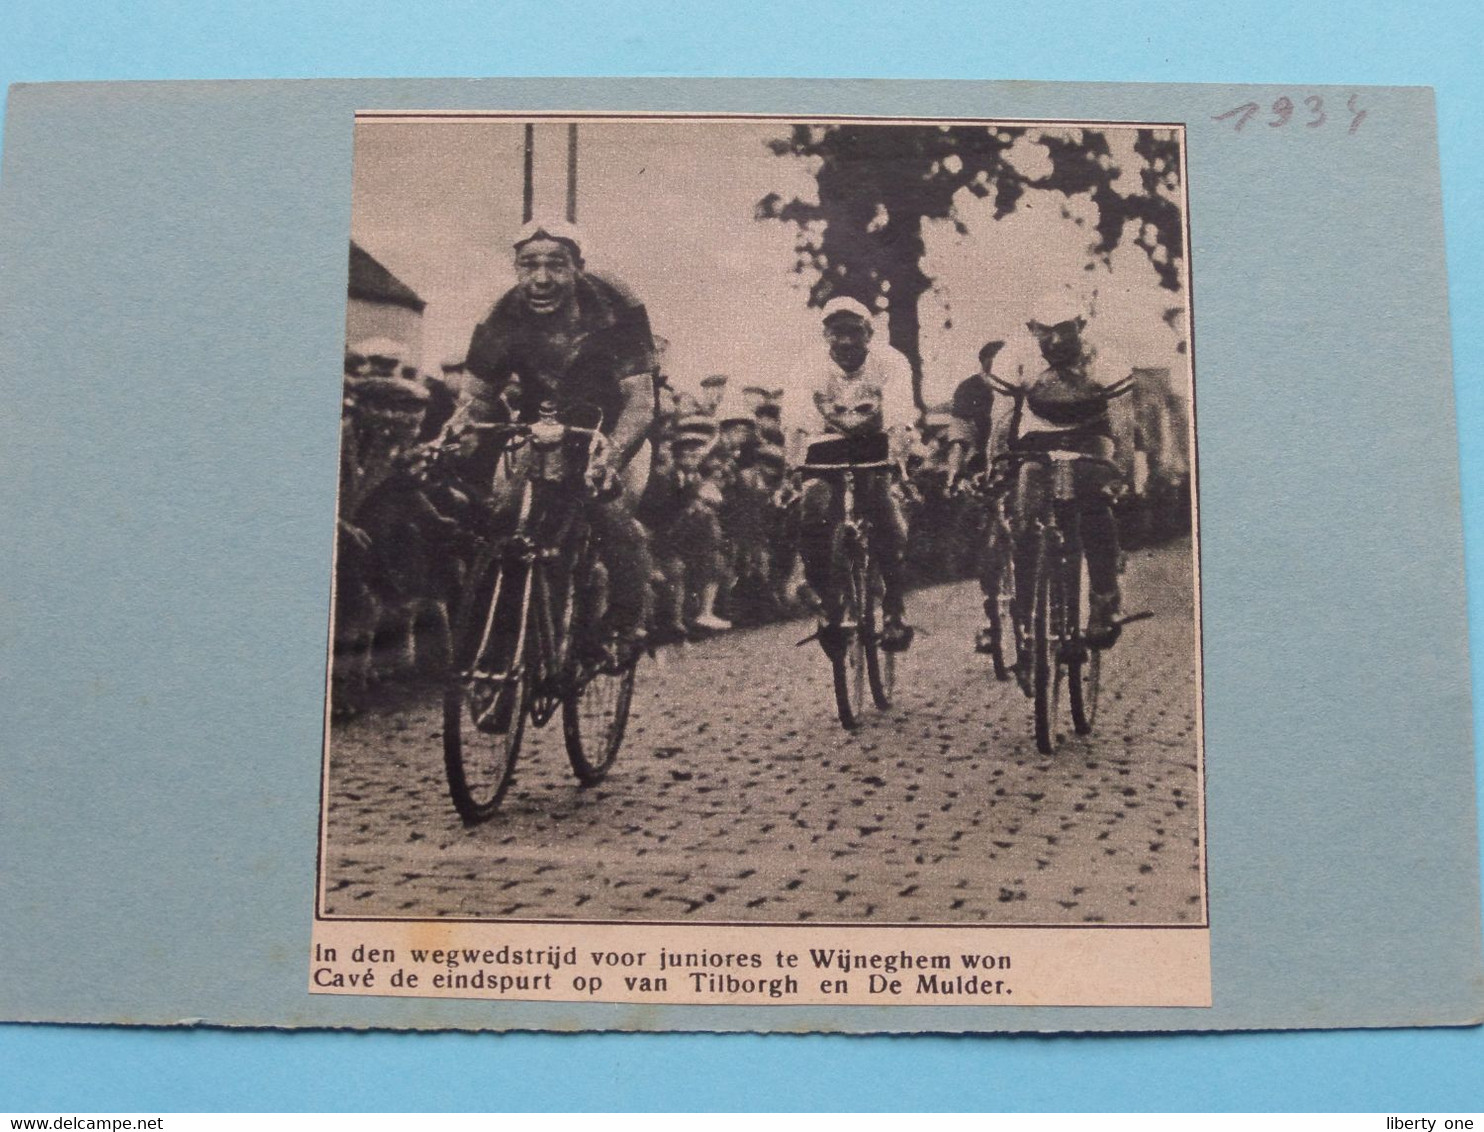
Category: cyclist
[968,428]
[582,341]
[1063,408]
[852,390]
[968,444]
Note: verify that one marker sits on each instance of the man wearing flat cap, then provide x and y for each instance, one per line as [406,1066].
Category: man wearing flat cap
[582,341]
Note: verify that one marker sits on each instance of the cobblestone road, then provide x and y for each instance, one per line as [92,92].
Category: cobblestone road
[738,797]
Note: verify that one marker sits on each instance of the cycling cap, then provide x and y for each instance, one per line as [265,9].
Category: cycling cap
[845,305]
[558,230]
[378,348]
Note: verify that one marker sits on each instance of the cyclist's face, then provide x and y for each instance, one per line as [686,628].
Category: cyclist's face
[848,338]
[545,273]
[1061,344]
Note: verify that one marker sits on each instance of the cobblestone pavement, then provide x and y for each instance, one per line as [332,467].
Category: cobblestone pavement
[738,797]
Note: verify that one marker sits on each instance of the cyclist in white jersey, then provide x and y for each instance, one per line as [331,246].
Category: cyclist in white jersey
[852,389]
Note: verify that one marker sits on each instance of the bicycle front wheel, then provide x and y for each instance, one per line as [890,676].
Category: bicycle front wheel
[485,702]
[1047,624]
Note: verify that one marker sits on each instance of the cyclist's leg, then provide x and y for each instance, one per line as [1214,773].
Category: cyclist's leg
[1099,532]
[883,509]
[1100,545]
[622,546]
[818,517]
[1030,496]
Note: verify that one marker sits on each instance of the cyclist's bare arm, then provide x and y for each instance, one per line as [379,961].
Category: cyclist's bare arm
[1001,428]
[960,441]
[899,441]
[635,419]
[795,444]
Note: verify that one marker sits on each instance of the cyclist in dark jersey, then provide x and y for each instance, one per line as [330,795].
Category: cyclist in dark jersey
[582,342]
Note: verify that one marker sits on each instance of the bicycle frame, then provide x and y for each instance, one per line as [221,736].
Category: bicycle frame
[523,550]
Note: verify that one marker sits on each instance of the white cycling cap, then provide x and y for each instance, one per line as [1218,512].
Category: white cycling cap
[378,348]
[844,305]
[559,230]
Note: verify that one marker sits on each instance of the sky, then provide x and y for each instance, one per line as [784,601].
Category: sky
[668,207]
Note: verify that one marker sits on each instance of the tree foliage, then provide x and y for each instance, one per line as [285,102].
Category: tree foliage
[877,185]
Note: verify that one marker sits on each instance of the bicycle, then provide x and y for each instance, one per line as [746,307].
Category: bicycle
[857,660]
[525,637]
[1057,633]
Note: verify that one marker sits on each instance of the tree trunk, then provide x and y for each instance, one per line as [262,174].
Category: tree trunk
[908,285]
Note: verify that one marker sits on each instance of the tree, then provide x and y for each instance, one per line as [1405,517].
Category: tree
[878,184]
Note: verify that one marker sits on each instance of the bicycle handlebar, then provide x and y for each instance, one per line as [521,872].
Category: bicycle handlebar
[538,429]
[873,466]
[1055,455]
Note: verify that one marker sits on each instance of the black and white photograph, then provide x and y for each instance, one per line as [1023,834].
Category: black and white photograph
[759,521]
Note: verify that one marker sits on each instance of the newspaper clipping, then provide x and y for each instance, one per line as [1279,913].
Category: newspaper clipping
[766,565]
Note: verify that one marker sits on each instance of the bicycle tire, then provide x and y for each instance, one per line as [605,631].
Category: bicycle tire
[881,666]
[594,719]
[849,668]
[1046,629]
[595,709]
[484,721]
[1084,673]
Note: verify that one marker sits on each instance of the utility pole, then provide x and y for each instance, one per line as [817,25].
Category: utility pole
[572,173]
[528,209]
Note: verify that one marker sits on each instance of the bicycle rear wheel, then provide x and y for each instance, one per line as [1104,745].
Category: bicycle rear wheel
[594,718]
[485,701]
[881,666]
[1047,632]
[849,664]
[595,708]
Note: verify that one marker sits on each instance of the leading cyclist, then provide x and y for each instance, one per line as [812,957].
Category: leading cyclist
[581,341]
[851,389]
